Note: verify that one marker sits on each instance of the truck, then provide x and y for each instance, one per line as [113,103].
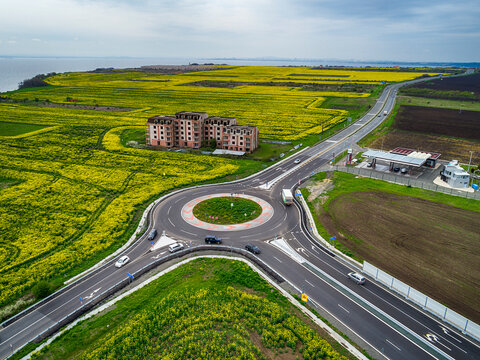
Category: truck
[385,113]
[287,196]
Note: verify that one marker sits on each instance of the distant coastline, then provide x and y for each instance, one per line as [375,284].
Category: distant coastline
[14,69]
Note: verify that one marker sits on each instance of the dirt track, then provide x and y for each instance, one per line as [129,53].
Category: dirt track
[430,246]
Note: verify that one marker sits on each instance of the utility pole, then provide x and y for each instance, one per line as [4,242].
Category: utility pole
[470,161]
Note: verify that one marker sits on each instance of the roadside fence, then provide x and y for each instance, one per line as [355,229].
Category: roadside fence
[434,307]
[404,180]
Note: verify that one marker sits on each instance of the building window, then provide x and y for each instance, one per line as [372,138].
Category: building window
[189,139]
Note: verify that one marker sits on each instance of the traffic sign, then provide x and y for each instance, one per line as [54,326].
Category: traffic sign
[304,297]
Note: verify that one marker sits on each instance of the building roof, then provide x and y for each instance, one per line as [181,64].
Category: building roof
[157,118]
[396,158]
[408,152]
[220,118]
[228,152]
[455,168]
[191,113]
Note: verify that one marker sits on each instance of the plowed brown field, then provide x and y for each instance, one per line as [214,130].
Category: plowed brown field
[450,148]
[416,241]
[450,122]
[426,129]
[460,83]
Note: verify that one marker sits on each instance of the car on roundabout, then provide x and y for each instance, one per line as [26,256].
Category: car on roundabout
[122,261]
[356,277]
[253,249]
[212,239]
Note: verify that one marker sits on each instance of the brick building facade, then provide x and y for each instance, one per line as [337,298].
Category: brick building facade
[191,129]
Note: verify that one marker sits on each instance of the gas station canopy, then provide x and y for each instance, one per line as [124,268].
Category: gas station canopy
[413,159]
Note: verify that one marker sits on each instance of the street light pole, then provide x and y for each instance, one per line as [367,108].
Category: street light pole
[470,161]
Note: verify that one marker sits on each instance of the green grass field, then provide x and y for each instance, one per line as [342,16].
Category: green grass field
[14,129]
[207,308]
[439,103]
[219,210]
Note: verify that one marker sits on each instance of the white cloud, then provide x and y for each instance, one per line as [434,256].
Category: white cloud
[243,28]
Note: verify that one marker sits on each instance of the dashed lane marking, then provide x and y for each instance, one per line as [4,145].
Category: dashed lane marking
[395,346]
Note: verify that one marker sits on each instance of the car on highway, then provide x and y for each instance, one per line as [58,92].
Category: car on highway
[358,278]
[212,239]
[175,247]
[396,169]
[122,261]
[403,170]
[297,161]
[253,249]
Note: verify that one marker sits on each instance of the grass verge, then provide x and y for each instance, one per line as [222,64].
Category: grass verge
[235,312]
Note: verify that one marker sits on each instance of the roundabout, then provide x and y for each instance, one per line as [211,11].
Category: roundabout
[265,215]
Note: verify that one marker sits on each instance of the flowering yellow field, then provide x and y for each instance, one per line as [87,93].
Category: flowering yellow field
[76,189]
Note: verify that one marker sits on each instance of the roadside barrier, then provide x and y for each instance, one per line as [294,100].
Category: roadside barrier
[115,288]
[442,312]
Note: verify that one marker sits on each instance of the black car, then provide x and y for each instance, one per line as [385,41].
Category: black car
[252,248]
[152,235]
[396,169]
[212,239]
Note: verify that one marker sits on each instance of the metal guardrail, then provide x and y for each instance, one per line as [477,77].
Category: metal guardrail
[403,180]
[113,289]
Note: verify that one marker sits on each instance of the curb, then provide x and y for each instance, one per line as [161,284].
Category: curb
[354,351]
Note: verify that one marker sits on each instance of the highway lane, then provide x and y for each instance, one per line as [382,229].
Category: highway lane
[285,221]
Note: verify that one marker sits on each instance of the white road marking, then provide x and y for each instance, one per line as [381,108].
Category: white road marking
[277,259]
[171,222]
[92,294]
[314,249]
[395,346]
[448,333]
[188,232]
[344,308]
[309,283]
[168,211]
[244,236]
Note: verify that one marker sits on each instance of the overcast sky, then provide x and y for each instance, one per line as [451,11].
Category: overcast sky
[401,30]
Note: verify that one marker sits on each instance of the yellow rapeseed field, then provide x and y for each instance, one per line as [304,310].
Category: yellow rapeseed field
[69,192]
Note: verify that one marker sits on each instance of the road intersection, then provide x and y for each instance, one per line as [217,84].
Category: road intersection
[377,319]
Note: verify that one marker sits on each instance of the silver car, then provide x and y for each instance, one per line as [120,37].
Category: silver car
[122,261]
[358,278]
[175,247]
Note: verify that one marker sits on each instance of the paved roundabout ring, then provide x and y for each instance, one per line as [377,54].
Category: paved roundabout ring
[187,214]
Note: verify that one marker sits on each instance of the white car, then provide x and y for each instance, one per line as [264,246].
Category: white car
[175,247]
[297,161]
[122,261]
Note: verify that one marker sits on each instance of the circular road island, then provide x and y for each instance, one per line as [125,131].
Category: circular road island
[221,212]
[227,210]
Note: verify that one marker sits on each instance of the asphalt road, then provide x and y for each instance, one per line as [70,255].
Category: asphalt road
[382,320]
